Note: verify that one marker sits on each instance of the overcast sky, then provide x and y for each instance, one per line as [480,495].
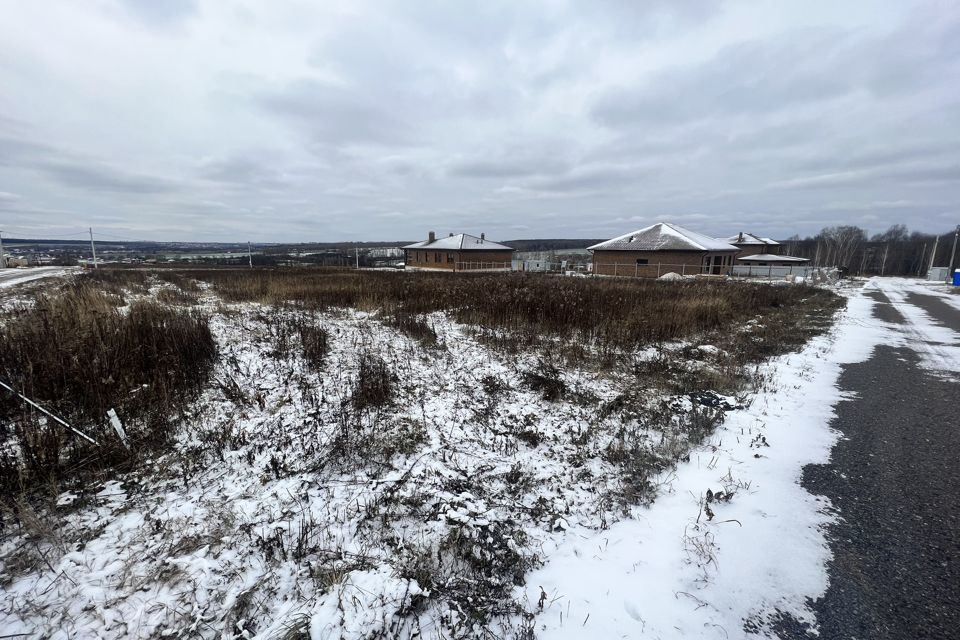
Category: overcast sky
[323,121]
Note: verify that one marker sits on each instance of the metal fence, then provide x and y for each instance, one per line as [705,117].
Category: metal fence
[482,266]
[657,270]
[773,271]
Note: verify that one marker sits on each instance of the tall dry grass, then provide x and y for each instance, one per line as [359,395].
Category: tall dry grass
[608,312]
[78,355]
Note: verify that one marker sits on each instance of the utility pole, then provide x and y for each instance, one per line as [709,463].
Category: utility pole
[3,259]
[93,249]
[883,264]
[953,252]
[356,252]
[249,256]
[933,254]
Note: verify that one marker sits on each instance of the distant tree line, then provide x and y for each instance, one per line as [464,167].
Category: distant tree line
[896,251]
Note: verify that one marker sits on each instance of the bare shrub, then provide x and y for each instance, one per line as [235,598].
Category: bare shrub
[176,297]
[546,380]
[79,356]
[315,342]
[413,326]
[115,281]
[374,384]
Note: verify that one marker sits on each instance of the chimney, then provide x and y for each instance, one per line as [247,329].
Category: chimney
[431,237]
[483,237]
[740,237]
[451,235]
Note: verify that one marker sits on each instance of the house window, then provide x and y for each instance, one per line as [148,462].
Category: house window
[643,261]
[449,258]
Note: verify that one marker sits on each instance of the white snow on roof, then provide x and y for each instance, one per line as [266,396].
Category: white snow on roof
[749,238]
[769,257]
[664,236]
[460,242]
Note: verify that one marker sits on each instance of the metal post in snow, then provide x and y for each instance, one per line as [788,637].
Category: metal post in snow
[37,406]
[249,256]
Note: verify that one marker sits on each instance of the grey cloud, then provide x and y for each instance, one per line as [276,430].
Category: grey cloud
[91,176]
[788,72]
[243,172]
[591,178]
[747,78]
[161,13]
[917,174]
[508,167]
[338,115]
[76,171]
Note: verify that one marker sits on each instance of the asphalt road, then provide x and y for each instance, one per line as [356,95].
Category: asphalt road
[894,478]
[13,277]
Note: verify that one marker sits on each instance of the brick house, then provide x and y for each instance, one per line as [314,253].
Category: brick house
[757,252]
[662,248]
[750,244]
[462,252]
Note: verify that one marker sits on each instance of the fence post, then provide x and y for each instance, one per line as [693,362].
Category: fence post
[614,268]
[683,269]
[658,270]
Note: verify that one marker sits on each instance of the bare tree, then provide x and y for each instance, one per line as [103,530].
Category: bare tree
[840,244]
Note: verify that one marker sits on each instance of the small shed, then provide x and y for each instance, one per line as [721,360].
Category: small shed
[461,252]
[660,249]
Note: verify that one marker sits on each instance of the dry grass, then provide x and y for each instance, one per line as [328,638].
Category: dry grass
[605,312]
[78,355]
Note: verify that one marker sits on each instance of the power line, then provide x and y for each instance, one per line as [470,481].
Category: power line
[26,233]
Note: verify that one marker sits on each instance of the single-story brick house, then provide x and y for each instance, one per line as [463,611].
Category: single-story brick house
[660,249]
[750,244]
[462,252]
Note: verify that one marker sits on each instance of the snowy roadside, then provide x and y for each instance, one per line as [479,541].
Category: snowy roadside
[285,510]
[673,572]
[14,277]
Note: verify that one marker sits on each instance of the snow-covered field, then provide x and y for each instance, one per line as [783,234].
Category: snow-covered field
[467,506]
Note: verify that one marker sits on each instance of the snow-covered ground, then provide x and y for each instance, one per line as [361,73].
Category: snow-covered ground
[285,509]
